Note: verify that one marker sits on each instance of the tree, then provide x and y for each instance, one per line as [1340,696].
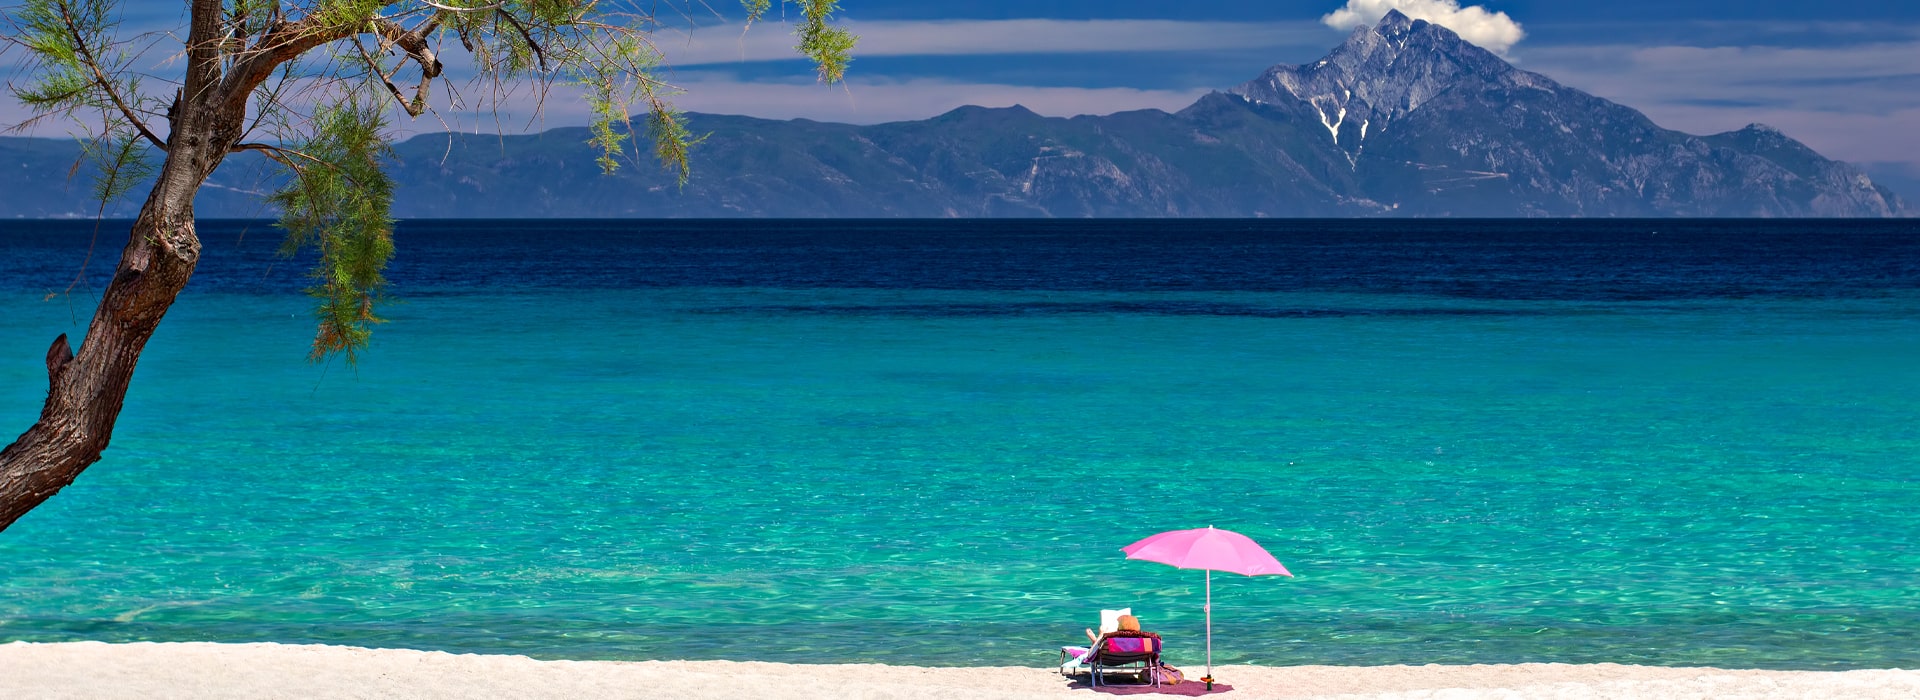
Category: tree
[305,83]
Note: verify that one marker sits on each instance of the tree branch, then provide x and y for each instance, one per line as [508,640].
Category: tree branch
[274,152]
[100,78]
[286,41]
[286,156]
[449,8]
[429,69]
[528,36]
[58,357]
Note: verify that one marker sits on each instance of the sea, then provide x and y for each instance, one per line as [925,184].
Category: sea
[1682,443]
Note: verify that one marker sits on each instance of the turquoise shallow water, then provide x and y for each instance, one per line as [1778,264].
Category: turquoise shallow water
[681,474]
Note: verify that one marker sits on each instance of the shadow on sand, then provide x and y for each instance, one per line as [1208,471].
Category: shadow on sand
[1129,685]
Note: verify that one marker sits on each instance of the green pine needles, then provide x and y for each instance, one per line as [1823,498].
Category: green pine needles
[311,84]
[830,47]
[338,201]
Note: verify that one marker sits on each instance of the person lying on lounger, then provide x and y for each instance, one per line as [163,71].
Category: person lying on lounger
[1129,627]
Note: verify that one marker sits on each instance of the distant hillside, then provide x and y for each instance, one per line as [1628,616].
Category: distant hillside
[1403,119]
[39,180]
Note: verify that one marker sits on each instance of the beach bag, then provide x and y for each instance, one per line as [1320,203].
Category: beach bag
[1168,675]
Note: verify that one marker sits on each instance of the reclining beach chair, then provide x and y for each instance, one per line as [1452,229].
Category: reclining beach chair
[1128,654]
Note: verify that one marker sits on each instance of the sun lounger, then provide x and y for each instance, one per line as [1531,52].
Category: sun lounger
[1125,653]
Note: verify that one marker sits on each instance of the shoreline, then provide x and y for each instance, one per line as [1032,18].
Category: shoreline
[156,670]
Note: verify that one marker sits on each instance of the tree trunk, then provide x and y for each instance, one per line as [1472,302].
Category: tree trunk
[86,389]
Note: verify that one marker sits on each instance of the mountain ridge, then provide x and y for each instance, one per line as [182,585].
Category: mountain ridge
[1404,118]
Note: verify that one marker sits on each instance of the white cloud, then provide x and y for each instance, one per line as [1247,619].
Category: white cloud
[874,101]
[1735,66]
[1851,101]
[774,42]
[859,101]
[1493,31]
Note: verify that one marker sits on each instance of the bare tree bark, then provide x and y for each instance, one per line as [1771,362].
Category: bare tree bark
[86,389]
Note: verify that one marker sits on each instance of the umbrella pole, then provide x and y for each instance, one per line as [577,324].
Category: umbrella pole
[1209,676]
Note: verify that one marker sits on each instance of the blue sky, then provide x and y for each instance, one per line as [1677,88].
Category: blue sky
[1843,76]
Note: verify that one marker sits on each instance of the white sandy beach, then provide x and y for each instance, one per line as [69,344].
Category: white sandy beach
[151,671]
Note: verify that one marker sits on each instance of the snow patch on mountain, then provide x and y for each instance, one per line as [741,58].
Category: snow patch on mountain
[1380,74]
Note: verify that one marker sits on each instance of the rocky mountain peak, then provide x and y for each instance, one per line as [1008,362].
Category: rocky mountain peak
[1377,76]
[1395,24]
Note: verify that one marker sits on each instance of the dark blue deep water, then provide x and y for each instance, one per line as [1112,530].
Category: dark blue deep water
[1596,260]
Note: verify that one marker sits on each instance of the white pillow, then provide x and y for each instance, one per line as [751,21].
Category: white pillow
[1110,620]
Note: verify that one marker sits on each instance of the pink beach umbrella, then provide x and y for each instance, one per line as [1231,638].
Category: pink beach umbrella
[1210,549]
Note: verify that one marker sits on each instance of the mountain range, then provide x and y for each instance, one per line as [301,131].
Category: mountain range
[1404,118]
